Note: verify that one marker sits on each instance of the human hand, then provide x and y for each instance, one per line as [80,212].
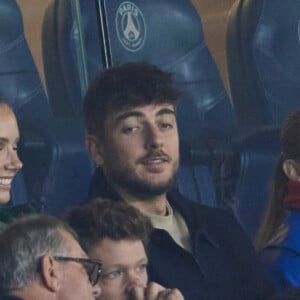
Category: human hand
[155,291]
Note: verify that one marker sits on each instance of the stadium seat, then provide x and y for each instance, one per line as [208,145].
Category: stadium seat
[264,69]
[263,60]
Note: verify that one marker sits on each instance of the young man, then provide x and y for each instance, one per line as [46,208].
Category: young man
[132,135]
[40,258]
[117,234]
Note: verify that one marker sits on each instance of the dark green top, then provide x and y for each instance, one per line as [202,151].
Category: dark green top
[10,213]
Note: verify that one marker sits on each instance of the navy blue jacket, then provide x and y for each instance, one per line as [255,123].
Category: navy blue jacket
[282,255]
[223,265]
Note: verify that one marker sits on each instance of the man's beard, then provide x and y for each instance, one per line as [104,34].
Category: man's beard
[127,179]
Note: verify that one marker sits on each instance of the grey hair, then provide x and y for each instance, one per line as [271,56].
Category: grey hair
[22,246]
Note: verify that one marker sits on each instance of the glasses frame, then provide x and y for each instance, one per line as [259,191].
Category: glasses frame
[96,262]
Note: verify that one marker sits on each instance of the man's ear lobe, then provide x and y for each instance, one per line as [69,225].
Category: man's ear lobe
[51,273]
[93,146]
[290,168]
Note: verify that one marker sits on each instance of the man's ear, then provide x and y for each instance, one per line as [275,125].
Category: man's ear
[93,146]
[291,169]
[51,273]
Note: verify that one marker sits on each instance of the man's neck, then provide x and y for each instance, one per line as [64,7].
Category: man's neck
[147,205]
[157,206]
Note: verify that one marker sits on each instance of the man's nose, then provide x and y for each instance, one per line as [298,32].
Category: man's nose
[135,280]
[154,138]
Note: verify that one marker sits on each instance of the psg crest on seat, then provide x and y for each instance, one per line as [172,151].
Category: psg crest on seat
[130,26]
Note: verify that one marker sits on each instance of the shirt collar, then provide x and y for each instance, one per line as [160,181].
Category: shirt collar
[195,221]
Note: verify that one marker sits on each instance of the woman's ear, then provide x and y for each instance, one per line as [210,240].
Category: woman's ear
[291,169]
[93,146]
[51,273]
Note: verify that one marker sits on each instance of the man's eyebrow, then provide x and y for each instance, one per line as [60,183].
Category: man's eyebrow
[165,111]
[138,114]
[3,140]
[128,115]
[143,260]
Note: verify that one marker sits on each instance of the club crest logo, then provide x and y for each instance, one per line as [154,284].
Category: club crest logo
[131,26]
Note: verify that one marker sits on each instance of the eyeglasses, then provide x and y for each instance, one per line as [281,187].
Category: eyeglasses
[91,266]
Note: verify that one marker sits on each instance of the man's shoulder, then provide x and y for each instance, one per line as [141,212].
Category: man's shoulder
[185,205]
[214,221]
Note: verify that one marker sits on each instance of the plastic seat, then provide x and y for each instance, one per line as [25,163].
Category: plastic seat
[264,69]
[263,60]
[246,175]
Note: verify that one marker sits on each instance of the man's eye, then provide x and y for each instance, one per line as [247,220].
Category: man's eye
[166,125]
[142,267]
[128,130]
[112,275]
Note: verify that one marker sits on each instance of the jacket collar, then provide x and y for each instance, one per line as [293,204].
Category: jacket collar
[195,215]
[196,222]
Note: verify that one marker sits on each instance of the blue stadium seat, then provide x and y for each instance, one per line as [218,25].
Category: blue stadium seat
[246,175]
[263,60]
[263,65]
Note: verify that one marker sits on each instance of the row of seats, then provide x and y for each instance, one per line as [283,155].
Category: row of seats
[228,144]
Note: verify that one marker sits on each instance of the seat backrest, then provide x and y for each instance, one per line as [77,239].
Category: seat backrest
[246,176]
[263,60]
[20,84]
[162,32]
[263,65]
[167,42]
[66,72]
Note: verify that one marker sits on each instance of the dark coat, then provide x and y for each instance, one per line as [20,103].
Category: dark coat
[223,264]
[282,255]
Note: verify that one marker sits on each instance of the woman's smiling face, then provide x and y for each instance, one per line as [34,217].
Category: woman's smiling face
[10,163]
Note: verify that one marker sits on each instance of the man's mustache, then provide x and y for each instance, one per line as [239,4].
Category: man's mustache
[156,154]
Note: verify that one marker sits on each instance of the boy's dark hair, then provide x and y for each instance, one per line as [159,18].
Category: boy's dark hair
[128,85]
[104,218]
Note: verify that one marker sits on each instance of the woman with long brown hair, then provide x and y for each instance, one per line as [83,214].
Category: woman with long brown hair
[279,236]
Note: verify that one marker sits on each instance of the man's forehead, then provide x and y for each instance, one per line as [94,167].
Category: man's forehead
[155,109]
